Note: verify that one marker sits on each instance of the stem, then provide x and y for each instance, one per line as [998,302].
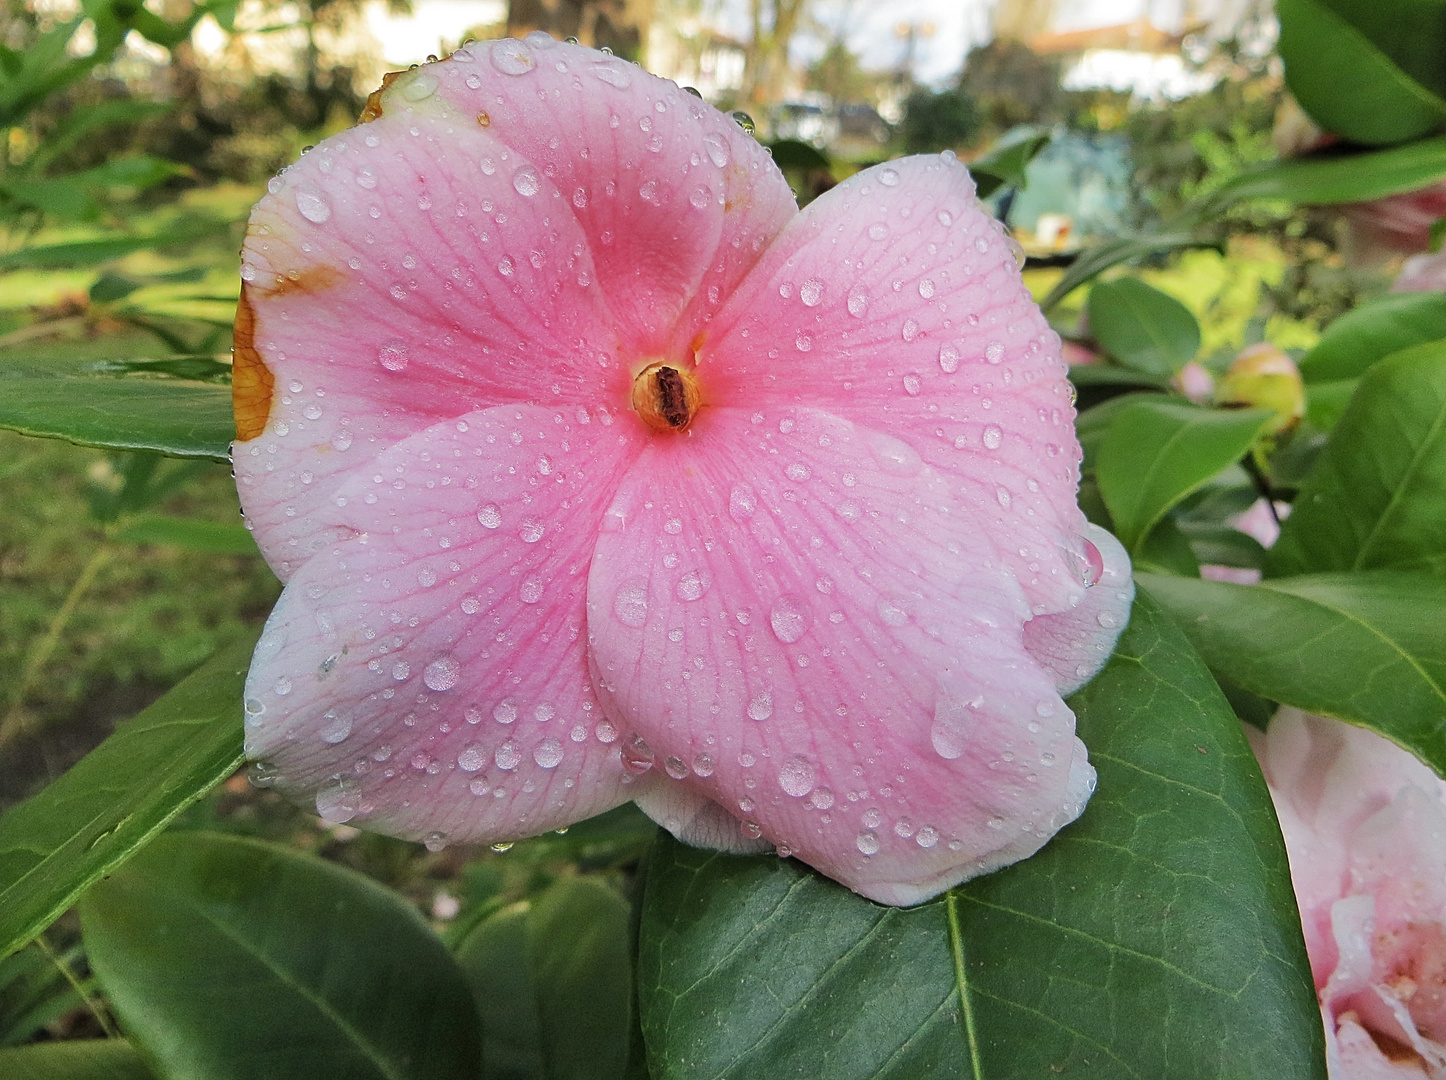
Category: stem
[90,1002]
[14,724]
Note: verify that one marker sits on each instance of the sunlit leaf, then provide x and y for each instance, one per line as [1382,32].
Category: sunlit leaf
[1142,327]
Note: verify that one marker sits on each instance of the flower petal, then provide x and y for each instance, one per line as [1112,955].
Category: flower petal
[801,621]
[893,300]
[1074,645]
[427,674]
[390,282]
[675,199]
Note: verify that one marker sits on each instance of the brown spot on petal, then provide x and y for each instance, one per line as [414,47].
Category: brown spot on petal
[308,282]
[252,383]
[484,120]
[373,107]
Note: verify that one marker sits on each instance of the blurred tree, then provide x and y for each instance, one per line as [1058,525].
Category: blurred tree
[838,74]
[619,25]
[773,24]
[938,121]
[1013,85]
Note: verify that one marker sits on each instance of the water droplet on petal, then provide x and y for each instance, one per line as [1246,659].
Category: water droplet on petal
[442,673]
[994,352]
[926,288]
[742,502]
[868,842]
[531,531]
[716,149]
[548,753]
[312,206]
[489,516]
[761,707]
[525,181]
[336,729]
[472,758]
[531,592]
[337,802]
[505,711]
[615,73]
[797,776]
[692,586]
[1094,568]
[508,756]
[703,765]
[512,57]
[858,301]
[790,618]
[888,178]
[420,88]
[992,437]
[394,355]
[630,605]
[949,357]
[811,292]
[675,768]
[926,837]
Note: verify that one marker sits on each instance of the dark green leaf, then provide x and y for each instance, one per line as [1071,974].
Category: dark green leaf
[90,402]
[1371,332]
[1006,162]
[1156,937]
[83,1059]
[1167,550]
[212,537]
[225,957]
[1083,375]
[1220,545]
[1142,327]
[61,198]
[1096,260]
[1346,68]
[1369,648]
[793,154]
[1157,451]
[1325,402]
[100,813]
[553,981]
[1376,496]
[1094,423]
[1331,176]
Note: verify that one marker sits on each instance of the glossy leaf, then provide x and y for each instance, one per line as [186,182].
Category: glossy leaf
[118,797]
[1371,332]
[1099,258]
[1331,177]
[1155,937]
[1369,648]
[1363,80]
[79,1059]
[1006,162]
[89,402]
[1142,327]
[1157,451]
[212,537]
[1376,496]
[229,958]
[553,982]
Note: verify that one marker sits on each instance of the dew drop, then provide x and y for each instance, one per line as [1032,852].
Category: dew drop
[630,605]
[508,756]
[442,673]
[401,671]
[858,301]
[926,288]
[504,712]
[888,178]
[615,73]
[891,613]
[675,768]
[531,531]
[716,149]
[878,230]
[472,759]
[811,292]
[994,352]
[761,707]
[312,206]
[420,88]
[489,516]
[531,591]
[790,618]
[742,502]
[692,586]
[949,357]
[548,753]
[336,729]
[992,437]
[525,181]
[821,798]
[1094,568]
[926,837]
[703,765]
[803,342]
[394,355]
[512,57]
[868,842]
[797,776]
[337,803]
[910,329]
[913,384]
[637,755]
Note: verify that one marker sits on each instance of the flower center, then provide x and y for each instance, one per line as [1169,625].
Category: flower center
[666,396]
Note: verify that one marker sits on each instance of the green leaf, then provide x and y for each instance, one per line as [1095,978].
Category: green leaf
[1096,260]
[1221,545]
[225,957]
[1142,327]
[1157,451]
[95,403]
[118,797]
[1336,66]
[81,1059]
[1371,332]
[1369,648]
[1085,375]
[1376,496]
[1325,402]
[1167,550]
[1155,937]
[1092,425]
[1330,177]
[1006,162]
[793,154]
[212,537]
[553,982]
[77,253]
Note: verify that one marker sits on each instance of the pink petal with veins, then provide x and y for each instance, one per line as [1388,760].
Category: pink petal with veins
[426,676]
[783,608]
[893,300]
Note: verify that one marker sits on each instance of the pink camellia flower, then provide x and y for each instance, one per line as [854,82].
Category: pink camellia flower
[1365,830]
[596,471]
[1422,273]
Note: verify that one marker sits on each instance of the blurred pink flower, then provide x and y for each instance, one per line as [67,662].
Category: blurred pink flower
[1422,273]
[596,471]
[1395,225]
[1365,829]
